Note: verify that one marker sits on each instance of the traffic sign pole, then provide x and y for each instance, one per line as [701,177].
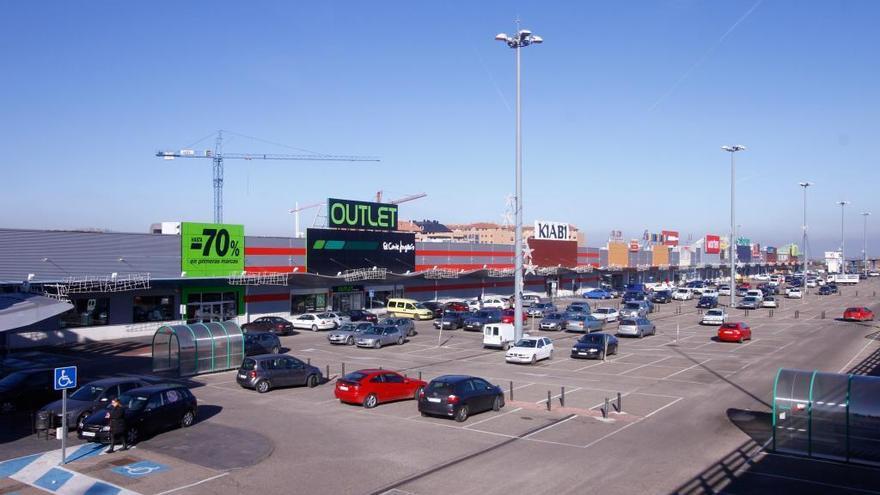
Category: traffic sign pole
[64,426]
[64,379]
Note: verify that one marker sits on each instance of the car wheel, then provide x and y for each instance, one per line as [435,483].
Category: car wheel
[400,341]
[187,420]
[534,359]
[740,340]
[641,333]
[462,414]
[276,350]
[314,328]
[506,346]
[496,404]
[263,386]
[550,356]
[370,401]
[349,341]
[312,381]
[377,345]
[131,436]
[601,355]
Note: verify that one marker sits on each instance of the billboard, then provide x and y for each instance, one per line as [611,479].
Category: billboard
[756,250]
[211,249]
[551,231]
[330,251]
[771,250]
[348,214]
[670,237]
[634,245]
[743,254]
[713,244]
[547,252]
[743,241]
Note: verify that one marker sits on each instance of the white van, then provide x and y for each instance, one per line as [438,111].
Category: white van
[498,335]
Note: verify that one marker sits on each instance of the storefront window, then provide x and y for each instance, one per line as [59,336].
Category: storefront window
[87,312]
[211,306]
[307,303]
[153,308]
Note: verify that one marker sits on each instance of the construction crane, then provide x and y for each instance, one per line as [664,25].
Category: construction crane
[218,157]
[295,211]
[401,200]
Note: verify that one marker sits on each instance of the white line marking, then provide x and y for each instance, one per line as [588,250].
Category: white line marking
[648,364]
[492,417]
[687,369]
[856,356]
[551,426]
[193,484]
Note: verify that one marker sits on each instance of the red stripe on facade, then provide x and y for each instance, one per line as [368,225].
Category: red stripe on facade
[274,251]
[464,266]
[274,269]
[440,252]
[588,255]
[266,297]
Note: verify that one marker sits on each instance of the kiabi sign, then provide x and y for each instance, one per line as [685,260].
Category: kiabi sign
[554,231]
[348,214]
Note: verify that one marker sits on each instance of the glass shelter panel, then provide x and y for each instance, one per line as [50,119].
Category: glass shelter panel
[828,427]
[791,411]
[864,420]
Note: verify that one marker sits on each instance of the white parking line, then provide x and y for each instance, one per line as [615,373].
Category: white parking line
[687,369]
[544,401]
[550,426]
[492,417]
[193,484]
[648,364]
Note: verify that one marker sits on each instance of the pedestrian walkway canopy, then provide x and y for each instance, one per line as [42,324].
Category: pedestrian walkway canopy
[198,348]
[827,415]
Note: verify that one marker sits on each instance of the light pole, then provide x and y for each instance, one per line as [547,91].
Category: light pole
[842,239]
[805,185]
[732,150]
[865,215]
[522,38]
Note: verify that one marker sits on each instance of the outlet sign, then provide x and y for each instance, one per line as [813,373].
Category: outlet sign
[211,249]
[553,231]
[349,214]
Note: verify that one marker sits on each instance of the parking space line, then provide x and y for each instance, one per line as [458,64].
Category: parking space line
[642,366]
[544,401]
[193,484]
[688,368]
[492,417]
[594,442]
[550,426]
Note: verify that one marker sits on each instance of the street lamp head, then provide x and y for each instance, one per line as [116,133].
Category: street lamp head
[524,33]
[805,184]
[537,40]
[843,203]
[866,213]
[734,148]
[502,37]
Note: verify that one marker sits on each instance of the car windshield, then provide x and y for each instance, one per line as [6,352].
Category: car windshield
[577,317]
[134,402]
[714,312]
[88,393]
[749,299]
[633,306]
[526,343]
[593,338]
[363,326]
[355,376]
[348,327]
[373,331]
[323,315]
[248,364]
[554,316]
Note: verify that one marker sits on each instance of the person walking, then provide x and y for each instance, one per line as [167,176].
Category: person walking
[116,417]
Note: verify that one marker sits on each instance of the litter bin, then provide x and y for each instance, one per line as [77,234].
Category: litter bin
[42,423]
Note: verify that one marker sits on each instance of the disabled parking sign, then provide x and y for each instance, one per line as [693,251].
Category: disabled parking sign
[139,469]
[65,378]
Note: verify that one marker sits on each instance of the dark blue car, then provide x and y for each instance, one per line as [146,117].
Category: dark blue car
[476,321]
[597,294]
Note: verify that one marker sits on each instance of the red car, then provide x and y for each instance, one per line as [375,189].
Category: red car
[372,386]
[456,306]
[743,285]
[734,332]
[508,314]
[858,314]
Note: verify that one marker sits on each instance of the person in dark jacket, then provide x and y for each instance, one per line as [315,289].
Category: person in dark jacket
[116,417]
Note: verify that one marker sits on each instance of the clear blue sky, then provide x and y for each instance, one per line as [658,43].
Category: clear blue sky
[625,107]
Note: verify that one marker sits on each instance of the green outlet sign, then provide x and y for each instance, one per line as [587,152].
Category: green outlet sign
[211,249]
[348,214]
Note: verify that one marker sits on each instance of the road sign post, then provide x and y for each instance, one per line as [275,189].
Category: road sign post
[65,378]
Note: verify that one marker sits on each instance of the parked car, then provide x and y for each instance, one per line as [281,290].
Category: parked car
[797,294]
[371,387]
[459,396]
[261,343]
[313,321]
[496,302]
[637,327]
[338,318]
[148,410]
[508,315]
[267,371]
[27,390]
[714,317]
[356,315]
[476,321]
[597,294]
[662,296]
[435,307]
[724,290]
[530,350]
[408,308]
[578,307]
[734,332]
[860,313]
[607,315]
[707,302]
[348,332]
[456,306]
[381,335]
[94,396]
[274,324]
[583,323]
[707,292]
[682,294]
[451,320]
[635,296]
[833,287]
[553,321]
[749,302]
[406,325]
[756,293]
[498,335]
[541,309]
[634,309]
[594,345]
[770,302]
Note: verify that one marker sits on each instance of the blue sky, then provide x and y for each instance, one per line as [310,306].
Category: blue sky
[625,107]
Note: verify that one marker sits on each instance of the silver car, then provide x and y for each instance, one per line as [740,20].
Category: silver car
[583,323]
[749,302]
[406,325]
[348,332]
[541,309]
[636,327]
[636,309]
[553,321]
[381,335]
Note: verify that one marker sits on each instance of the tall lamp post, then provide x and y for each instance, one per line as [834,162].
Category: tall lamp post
[522,38]
[732,150]
[805,185]
[865,215]
[842,238]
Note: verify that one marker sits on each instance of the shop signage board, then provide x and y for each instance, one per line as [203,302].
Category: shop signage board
[552,231]
[330,251]
[350,214]
[670,237]
[743,241]
[211,249]
[713,244]
[634,245]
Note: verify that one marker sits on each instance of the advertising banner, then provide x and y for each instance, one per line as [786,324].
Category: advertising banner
[743,241]
[329,251]
[211,249]
[349,214]
[551,230]
[634,245]
[743,254]
[670,237]
[548,253]
[713,244]
[756,250]
[771,250]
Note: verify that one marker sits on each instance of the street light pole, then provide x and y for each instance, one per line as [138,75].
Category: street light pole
[522,38]
[842,239]
[805,185]
[865,247]
[732,150]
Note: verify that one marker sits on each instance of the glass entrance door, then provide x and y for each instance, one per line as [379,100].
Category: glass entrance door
[211,306]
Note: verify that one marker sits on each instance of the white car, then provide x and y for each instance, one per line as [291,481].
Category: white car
[337,318]
[714,317]
[314,321]
[874,274]
[530,350]
[757,294]
[724,290]
[682,295]
[794,293]
[812,283]
[474,305]
[769,302]
[606,314]
[496,302]
[762,277]
[711,293]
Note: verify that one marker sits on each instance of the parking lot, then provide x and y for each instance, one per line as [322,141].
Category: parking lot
[693,416]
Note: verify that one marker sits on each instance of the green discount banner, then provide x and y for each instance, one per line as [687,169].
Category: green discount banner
[211,249]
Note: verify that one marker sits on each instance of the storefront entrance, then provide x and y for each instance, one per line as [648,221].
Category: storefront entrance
[347,297]
[211,306]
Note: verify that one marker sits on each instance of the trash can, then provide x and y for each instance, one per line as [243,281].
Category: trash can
[42,423]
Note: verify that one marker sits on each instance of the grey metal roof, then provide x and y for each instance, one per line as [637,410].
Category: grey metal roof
[20,309]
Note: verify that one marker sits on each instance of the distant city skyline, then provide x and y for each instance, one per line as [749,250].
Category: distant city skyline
[625,109]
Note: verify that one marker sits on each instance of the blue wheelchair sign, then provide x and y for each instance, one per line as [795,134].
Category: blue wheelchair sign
[65,377]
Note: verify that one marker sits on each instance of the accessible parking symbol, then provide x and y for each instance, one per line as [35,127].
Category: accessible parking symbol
[140,469]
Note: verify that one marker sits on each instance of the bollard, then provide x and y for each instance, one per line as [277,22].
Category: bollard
[770,314]
[797,314]
[420,376]
[343,369]
[380,367]
[327,372]
[562,398]
[511,390]
[605,409]
[309,361]
[746,312]
[618,402]
[548,400]
[823,315]
[857,293]
[405,376]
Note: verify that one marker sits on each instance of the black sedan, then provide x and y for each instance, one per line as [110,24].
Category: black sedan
[477,320]
[148,410]
[94,396]
[451,320]
[274,324]
[661,297]
[362,315]
[27,390]
[825,290]
[594,346]
[707,302]
[261,343]
[435,307]
[459,396]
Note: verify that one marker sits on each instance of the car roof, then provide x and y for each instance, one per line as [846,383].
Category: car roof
[149,389]
[267,356]
[121,379]
[452,378]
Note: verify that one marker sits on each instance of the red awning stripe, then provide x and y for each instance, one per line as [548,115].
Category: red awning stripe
[274,251]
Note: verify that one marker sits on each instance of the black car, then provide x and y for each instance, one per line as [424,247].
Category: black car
[594,345]
[362,315]
[274,324]
[27,390]
[825,290]
[476,320]
[435,307]
[94,396]
[833,287]
[451,320]
[267,371]
[459,396]
[634,295]
[148,410]
[707,302]
[661,297]
[261,343]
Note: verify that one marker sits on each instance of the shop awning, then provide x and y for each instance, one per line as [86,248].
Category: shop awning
[20,309]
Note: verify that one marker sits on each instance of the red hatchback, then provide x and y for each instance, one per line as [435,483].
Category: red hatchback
[456,306]
[372,386]
[508,314]
[858,314]
[734,332]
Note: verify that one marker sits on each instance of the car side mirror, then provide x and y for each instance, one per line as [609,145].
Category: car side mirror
[104,399]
